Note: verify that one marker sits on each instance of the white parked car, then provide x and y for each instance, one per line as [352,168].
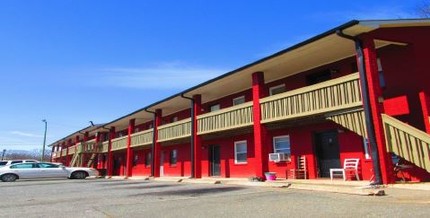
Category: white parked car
[16,171]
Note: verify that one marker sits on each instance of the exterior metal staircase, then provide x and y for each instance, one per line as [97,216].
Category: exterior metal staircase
[402,139]
[407,141]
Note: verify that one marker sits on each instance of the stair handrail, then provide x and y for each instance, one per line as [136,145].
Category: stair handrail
[416,152]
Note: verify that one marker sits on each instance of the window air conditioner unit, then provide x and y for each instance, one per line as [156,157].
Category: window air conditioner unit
[277,157]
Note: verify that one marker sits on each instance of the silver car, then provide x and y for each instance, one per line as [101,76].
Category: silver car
[13,172]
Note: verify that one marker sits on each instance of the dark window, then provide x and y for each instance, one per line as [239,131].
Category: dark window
[48,165]
[318,77]
[23,166]
[2,163]
[173,157]
[148,159]
[16,161]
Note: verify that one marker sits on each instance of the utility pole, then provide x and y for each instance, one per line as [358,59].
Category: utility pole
[44,140]
[2,156]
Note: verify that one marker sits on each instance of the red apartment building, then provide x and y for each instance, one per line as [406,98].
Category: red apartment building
[358,91]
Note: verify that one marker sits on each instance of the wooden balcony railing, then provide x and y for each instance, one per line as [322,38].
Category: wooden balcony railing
[71,149]
[336,94]
[57,154]
[119,143]
[89,146]
[225,119]
[104,147]
[142,138]
[176,130]
[63,152]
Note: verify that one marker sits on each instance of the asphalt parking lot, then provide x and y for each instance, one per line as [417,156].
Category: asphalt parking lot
[143,198]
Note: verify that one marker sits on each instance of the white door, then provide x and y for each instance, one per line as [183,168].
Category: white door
[162,164]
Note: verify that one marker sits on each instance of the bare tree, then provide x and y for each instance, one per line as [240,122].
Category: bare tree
[423,10]
[34,154]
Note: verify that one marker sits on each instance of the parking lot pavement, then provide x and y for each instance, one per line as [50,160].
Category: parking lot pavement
[141,198]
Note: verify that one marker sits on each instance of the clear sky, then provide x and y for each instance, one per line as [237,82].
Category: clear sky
[72,61]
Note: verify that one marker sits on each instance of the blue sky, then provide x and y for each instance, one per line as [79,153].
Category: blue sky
[73,61]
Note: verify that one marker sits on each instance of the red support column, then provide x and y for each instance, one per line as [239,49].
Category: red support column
[129,160]
[110,153]
[157,145]
[84,149]
[260,131]
[425,105]
[197,139]
[100,160]
[52,153]
[377,108]
[68,158]
[63,158]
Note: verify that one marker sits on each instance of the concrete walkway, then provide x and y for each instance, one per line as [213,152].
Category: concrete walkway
[326,185]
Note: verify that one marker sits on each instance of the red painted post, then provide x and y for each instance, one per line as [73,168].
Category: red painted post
[377,108]
[99,164]
[129,158]
[68,159]
[197,139]
[157,147]
[52,153]
[63,158]
[260,131]
[425,105]
[110,153]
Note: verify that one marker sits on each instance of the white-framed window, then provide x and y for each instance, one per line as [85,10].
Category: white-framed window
[239,100]
[277,89]
[281,144]
[240,152]
[366,146]
[215,107]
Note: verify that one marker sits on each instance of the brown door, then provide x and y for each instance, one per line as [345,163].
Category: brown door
[327,152]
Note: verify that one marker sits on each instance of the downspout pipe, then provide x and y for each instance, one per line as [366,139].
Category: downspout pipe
[366,104]
[153,141]
[192,143]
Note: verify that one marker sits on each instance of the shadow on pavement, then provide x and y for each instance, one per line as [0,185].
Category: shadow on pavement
[195,192]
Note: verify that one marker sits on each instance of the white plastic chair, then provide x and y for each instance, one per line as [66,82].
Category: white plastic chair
[349,164]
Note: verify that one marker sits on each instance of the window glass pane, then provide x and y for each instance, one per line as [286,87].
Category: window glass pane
[48,165]
[148,159]
[281,144]
[173,157]
[241,158]
[22,166]
[277,89]
[215,107]
[240,152]
[240,148]
[239,100]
